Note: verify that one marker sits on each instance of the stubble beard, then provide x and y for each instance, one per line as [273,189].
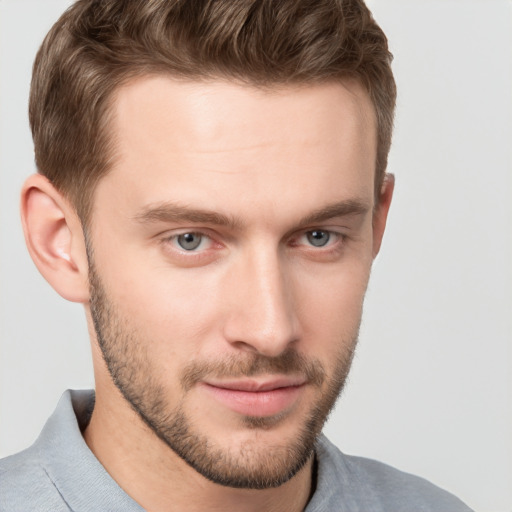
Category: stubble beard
[254,465]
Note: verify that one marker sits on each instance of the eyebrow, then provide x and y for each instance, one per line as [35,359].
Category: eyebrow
[175,213]
[172,212]
[346,208]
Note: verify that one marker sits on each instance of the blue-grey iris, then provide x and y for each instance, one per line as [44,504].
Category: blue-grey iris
[189,241]
[318,238]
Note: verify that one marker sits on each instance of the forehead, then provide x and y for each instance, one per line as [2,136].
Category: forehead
[210,141]
[214,113]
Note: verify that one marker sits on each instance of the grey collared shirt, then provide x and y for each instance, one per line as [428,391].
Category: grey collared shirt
[59,473]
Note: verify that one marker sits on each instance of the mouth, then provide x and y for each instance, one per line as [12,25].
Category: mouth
[257,397]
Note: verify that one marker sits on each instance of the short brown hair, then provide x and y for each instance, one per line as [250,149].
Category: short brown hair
[98,45]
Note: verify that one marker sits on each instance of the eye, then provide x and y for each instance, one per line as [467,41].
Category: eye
[318,237]
[190,241]
[190,248]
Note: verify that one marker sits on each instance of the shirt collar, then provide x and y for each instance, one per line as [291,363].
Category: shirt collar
[82,481]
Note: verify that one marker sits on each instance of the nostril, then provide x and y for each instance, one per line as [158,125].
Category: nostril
[245,347]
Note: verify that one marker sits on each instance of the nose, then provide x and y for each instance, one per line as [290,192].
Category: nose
[262,314]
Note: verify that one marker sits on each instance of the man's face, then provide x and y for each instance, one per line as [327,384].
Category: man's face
[230,248]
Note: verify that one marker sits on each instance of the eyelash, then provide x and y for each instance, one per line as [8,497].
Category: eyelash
[170,243]
[334,238]
[331,246]
[174,238]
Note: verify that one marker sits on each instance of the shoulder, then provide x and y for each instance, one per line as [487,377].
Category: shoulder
[24,484]
[366,484]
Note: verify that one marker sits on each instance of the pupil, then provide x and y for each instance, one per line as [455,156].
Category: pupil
[318,238]
[189,241]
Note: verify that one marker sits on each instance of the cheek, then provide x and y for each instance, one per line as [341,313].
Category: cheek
[340,283]
[331,304]
[173,310]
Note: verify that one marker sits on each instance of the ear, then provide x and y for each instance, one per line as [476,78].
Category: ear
[380,214]
[54,237]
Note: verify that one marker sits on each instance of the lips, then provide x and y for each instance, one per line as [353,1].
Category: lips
[256,397]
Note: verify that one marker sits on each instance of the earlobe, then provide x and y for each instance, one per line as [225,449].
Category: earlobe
[54,238]
[380,214]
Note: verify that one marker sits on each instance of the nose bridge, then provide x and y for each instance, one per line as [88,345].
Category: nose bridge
[263,314]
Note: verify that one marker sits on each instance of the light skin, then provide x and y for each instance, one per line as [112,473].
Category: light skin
[275,189]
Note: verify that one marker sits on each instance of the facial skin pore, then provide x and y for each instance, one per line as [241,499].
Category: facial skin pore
[229,251]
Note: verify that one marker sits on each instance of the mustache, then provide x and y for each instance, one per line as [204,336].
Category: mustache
[252,365]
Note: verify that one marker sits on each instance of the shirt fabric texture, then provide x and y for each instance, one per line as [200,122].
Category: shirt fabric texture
[59,473]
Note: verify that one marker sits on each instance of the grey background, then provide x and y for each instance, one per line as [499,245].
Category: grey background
[430,390]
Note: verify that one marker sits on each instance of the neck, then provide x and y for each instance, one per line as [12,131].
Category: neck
[156,478]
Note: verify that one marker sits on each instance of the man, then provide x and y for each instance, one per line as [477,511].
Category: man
[212,188]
